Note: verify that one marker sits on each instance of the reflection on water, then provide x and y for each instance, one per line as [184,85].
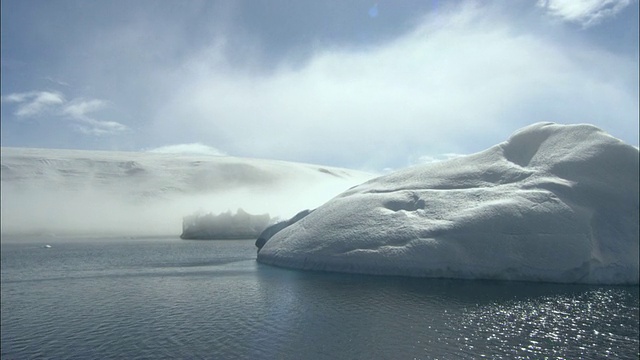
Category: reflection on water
[210,299]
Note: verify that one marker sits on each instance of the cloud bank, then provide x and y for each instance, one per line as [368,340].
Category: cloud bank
[364,92]
[461,79]
[140,193]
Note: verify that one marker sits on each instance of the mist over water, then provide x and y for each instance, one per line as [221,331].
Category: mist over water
[143,194]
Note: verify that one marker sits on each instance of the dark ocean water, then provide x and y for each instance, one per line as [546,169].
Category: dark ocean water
[171,298]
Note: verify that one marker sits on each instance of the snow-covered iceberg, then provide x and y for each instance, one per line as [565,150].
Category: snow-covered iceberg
[554,203]
[268,232]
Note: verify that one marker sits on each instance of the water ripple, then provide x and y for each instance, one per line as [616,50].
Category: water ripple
[212,300]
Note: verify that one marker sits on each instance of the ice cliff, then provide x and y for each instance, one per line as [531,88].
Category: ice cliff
[554,203]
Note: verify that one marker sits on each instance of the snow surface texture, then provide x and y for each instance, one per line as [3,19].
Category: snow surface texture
[554,203]
[103,193]
[267,233]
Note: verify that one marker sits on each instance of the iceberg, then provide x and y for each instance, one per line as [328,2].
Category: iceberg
[224,226]
[554,203]
[268,232]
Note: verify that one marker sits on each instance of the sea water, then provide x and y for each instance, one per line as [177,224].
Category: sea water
[172,298]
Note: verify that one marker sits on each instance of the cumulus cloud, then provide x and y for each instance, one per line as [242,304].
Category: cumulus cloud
[191,149]
[34,103]
[584,12]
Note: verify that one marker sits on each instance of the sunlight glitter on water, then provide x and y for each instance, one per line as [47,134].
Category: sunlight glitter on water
[176,298]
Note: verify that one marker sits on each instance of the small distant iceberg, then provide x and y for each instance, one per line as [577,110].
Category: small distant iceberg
[224,226]
[553,203]
[47,246]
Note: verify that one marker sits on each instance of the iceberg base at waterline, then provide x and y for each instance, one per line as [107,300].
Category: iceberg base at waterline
[556,203]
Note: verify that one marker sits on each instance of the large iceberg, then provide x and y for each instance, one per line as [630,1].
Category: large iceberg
[554,203]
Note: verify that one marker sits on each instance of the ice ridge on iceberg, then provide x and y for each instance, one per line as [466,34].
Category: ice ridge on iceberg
[267,233]
[555,203]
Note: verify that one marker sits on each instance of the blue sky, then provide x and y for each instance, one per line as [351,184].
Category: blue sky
[369,85]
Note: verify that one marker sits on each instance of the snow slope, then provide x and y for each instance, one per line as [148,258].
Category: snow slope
[136,194]
[554,203]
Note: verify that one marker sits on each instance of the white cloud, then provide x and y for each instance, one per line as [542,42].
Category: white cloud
[34,103]
[458,83]
[56,81]
[91,126]
[15,97]
[38,103]
[79,108]
[192,149]
[464,79]
[584,12]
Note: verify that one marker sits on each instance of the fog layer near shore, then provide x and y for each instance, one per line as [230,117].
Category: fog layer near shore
[72,192]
